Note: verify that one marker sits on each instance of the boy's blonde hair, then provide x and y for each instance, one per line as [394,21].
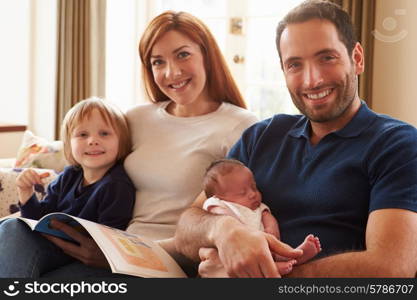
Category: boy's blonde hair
[110,114]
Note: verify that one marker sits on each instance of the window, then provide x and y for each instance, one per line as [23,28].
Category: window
[14,61]
[28,64]
[123,29]
[264,84]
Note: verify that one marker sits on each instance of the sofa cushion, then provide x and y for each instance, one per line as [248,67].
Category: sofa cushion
[37,152]
[8,189]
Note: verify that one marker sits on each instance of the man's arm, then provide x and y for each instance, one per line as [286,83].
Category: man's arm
[243,252]
[391,250]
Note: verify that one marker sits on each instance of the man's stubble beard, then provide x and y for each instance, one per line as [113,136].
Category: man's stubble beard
[341,105]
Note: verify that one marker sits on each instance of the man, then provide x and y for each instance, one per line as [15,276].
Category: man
[339,171]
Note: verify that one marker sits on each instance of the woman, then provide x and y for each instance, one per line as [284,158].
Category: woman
[196,116]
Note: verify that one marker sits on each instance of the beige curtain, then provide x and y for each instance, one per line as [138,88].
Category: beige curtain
[363,18]
[81,54]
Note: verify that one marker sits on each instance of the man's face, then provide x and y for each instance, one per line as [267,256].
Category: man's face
[320,75]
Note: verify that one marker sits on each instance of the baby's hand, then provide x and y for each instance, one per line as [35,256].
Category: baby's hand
[25,184]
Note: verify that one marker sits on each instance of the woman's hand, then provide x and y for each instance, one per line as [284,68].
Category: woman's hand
[87,252]
[210,265]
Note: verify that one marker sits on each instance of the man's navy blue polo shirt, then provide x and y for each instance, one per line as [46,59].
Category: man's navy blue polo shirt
[330,188]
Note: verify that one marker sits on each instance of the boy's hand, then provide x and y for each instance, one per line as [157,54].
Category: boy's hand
[25,183]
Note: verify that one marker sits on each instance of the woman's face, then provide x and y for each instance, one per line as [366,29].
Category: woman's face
[178,69]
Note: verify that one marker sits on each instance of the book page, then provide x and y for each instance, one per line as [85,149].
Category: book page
[30,222]
[131,254]
[134,250]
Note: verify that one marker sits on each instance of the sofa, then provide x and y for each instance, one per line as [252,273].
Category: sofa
[35,152]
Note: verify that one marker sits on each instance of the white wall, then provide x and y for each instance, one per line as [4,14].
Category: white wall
[395,59]
[10,143]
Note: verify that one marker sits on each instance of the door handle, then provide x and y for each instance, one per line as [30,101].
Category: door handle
[238,59]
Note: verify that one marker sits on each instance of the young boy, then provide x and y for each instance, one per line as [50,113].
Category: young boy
[94,187]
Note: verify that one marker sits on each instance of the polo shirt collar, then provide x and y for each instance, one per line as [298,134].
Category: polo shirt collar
[363,118]
[301,128]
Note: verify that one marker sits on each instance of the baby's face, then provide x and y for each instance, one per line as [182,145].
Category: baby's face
[239,187]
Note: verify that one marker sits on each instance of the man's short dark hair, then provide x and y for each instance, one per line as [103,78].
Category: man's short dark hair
[324,10]
[218,167]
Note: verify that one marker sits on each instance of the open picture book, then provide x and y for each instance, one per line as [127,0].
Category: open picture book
[126,253]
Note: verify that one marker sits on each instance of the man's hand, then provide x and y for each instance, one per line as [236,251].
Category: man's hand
[87,252]
[247,253]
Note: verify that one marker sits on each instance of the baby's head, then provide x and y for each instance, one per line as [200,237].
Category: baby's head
[232,181]
[82,112]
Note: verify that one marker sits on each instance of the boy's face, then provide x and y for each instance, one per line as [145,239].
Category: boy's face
[239,187]
[94,144]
